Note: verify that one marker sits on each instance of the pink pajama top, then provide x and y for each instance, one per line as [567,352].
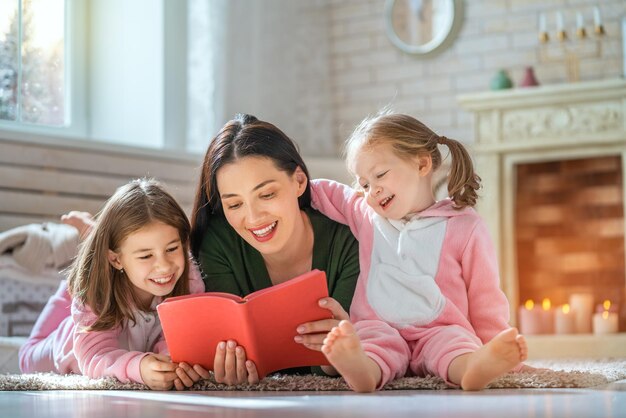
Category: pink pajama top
[116,352]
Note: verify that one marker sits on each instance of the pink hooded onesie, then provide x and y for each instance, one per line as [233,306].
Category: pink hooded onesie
[428,290]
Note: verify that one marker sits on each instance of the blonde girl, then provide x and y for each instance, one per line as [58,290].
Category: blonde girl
[135,256]
[428,300]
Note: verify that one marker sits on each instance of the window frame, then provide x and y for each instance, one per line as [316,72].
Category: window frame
[79,94]
[74,79]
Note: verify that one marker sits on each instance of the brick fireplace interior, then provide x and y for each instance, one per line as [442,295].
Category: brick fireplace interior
[569,230]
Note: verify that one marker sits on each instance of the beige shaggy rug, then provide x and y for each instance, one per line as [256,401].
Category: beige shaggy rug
[561,374]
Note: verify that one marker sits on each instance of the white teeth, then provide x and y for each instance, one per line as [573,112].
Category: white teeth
[386,200]
[162,280]
[264,231]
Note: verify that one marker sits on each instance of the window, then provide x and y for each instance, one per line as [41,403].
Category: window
[32,62]
[109,71]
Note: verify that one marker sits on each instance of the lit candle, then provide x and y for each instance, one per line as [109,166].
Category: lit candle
[564,321]
[547,317]
[597,19]
[605,322]
[607,306]
[530,319]
[582,306]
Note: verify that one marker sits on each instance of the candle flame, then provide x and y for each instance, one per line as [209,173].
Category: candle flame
[606,304]
[545,304]
[605,315]
[565,308]
[529,304]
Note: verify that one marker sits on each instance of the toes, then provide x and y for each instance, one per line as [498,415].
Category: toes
[346,327]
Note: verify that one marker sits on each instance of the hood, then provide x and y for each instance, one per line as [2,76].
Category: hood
[444,208]
[432,215]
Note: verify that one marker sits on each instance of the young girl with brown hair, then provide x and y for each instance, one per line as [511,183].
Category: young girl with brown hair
[428,300]
[136,254]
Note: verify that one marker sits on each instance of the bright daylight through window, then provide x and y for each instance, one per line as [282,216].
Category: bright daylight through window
[32,62]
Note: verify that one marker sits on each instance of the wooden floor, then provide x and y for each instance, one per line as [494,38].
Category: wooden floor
[607,402]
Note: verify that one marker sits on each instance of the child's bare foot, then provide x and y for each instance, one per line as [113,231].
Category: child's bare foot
[505,351]
[343,350]
[82,221]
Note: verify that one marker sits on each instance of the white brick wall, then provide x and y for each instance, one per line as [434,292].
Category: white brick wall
[368,72]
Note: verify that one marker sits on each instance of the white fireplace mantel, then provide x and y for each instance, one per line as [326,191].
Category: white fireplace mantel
[537,124]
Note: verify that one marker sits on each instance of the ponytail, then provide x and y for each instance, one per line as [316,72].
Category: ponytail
[463,182]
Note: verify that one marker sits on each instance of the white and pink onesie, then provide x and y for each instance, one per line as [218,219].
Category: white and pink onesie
[429,287]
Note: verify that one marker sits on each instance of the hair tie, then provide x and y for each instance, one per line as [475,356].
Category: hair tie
[442,140]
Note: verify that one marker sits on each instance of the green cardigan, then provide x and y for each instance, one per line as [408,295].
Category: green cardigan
[229,264]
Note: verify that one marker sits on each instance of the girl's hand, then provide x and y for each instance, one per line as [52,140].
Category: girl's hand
[312,334]
[158,372]
[187,376]
[231,366]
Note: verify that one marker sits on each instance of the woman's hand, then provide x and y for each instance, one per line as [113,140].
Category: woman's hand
[312,334]
[157,371]
[187,376]
[231,366]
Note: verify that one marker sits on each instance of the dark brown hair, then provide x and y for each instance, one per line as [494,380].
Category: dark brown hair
[93,281]
[243,136]
[409,138]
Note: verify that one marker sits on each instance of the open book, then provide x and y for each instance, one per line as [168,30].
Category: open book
[264,323]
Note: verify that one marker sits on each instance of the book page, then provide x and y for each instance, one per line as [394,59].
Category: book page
[194,326]
[275,314]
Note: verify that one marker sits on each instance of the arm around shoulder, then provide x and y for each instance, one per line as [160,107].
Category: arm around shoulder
[340,203]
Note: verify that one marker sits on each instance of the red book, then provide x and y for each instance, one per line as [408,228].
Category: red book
[264,323]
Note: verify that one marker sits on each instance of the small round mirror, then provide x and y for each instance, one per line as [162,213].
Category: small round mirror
[423,27]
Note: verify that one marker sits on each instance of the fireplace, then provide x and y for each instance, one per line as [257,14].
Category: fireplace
[552,160]
[569,230]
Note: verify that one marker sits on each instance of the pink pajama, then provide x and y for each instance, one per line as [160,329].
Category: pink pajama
[428,289]
[59,343]
[48,349]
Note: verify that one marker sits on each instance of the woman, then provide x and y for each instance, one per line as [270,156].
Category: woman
[253,227]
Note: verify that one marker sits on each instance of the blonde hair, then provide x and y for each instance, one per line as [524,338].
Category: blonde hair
[410,138]
[93,281]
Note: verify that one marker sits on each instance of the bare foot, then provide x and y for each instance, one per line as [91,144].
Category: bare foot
[343,350]
[505,351]
[530,369]
[82,221]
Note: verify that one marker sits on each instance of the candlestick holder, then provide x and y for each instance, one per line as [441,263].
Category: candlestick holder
[568,49]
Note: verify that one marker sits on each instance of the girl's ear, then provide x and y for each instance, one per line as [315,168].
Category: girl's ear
[301,179]
[114,260]
[424,164]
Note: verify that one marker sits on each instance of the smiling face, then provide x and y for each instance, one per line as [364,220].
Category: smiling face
[394,187]
[153,259]
[261,202]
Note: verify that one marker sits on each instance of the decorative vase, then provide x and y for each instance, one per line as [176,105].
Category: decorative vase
[529,79]
[501,81]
